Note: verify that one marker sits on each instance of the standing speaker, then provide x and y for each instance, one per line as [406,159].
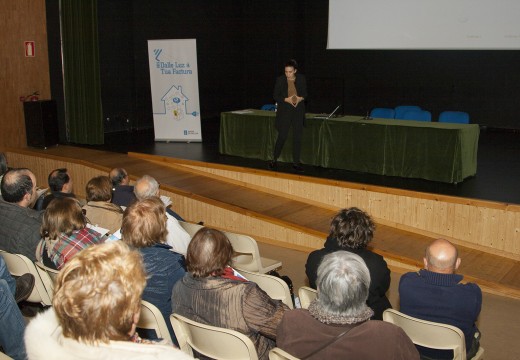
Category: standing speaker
[41,123]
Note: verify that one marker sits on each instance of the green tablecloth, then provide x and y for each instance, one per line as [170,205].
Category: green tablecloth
[428,150]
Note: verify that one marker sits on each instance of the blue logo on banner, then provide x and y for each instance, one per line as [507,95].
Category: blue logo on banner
[157,52]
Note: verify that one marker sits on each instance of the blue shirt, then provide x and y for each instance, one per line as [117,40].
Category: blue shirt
[441,298]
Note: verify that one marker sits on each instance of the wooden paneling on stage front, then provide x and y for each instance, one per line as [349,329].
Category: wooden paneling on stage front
[295,211]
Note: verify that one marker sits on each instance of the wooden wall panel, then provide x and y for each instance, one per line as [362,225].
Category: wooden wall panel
[22,20]
[485,225]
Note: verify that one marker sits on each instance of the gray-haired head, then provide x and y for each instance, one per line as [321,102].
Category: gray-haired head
[146,187]
[343,282]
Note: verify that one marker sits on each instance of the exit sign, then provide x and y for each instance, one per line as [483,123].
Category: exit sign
[29,48]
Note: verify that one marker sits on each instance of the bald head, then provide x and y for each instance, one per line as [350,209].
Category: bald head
[146,187]
[441,257]
[118,176]
[19,187]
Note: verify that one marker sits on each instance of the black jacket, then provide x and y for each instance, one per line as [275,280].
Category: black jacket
[379,274]
[286,112]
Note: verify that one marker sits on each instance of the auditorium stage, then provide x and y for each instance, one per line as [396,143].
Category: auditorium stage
[498,163]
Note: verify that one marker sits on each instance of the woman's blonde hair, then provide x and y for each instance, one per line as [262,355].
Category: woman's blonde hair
[144,223]
[63,215]
[98,293]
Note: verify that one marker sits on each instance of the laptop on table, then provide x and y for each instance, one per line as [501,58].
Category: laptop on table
[325,116]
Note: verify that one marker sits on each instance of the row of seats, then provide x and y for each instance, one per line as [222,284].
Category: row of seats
[247,259]
[412,112]
[221,343]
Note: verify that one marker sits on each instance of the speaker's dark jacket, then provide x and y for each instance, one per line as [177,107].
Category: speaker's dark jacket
[286,112]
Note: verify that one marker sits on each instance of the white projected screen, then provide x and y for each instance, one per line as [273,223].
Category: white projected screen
[424,24]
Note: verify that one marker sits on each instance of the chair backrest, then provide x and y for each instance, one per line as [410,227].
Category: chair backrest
[306,295]
[212,341]
[429,334]
[151,318]
[268,107]
[417,115]
[382,113]
[275,287]
[400,110]
[279,354]
[18,265]
[190,228]
[48,276]
[459,117]
[4,356]
[248,256]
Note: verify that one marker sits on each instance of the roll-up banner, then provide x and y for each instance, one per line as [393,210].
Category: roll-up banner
[175,89]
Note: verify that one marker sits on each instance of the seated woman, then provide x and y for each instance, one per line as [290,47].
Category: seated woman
[64,233]
[209,293]
[352,230]
[144,227]
[99,210]
[337,324]
[96,306]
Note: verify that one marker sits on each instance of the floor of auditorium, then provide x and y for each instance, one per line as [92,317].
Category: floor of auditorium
[496,180]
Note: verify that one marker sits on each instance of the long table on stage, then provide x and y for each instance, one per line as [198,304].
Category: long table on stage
[428,150]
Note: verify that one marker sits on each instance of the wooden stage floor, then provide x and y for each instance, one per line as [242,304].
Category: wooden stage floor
[495,274]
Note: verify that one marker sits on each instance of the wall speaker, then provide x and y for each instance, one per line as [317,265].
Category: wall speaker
[41,123]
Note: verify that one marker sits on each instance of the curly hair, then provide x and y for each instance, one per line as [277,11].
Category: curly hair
[144,223]
[98,292]
[352,228]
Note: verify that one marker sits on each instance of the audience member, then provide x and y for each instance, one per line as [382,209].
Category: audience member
[144,227]
[64,233]
[60,185]
[146,188]
[352,230]
[96,307]
[210,293]
[99,210]
[19,224]
[13,325]
[436,293]
[337,324]
[3,167]
[122,191]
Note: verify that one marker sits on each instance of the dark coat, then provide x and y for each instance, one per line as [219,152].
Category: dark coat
[123,195]
[164,268]
[19,229]
[379,274]
[286,112]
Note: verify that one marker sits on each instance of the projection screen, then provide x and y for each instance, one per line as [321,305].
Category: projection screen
[424,24]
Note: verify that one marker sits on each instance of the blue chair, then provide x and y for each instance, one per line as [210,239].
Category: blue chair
[268,107]
[382,113]
[400,110]
[417,115]
[459,117]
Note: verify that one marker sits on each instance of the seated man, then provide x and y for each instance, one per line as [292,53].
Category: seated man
[19,224]
[436,294]
[337,324]
[60,184]
[122,191]
[147,187]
